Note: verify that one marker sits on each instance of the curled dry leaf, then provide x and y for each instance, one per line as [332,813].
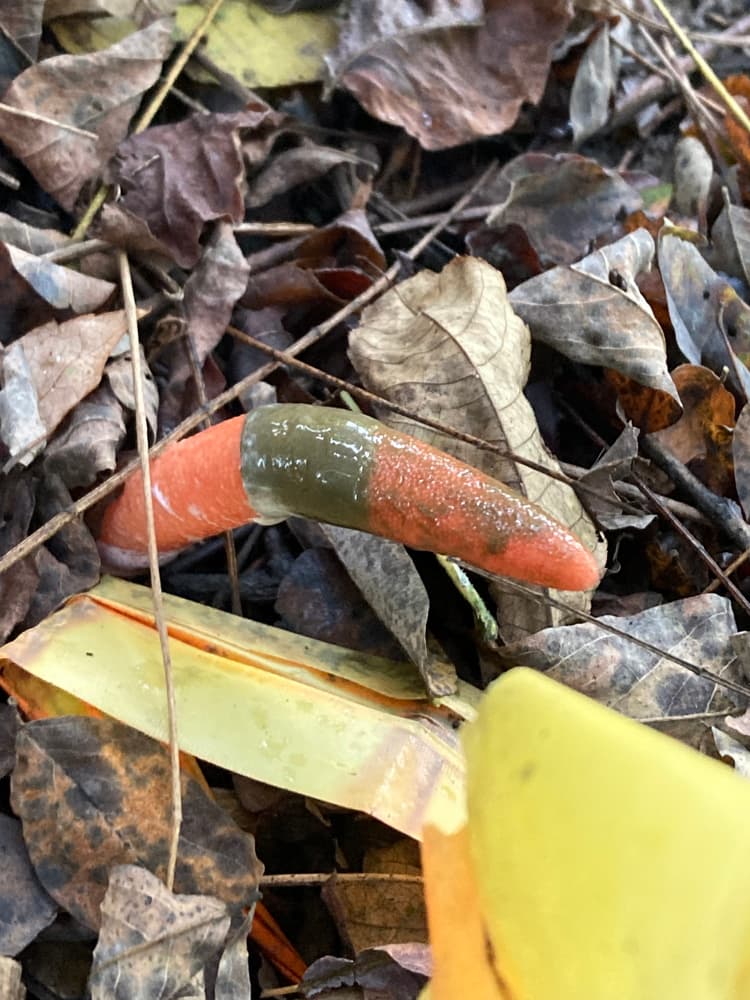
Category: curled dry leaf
[17,584]
[450,346]
[616,463]
[153,943]
[741,453]
[209,297]
[438,73]
[594,313]
[88,442]
[176,178]
[702,437]
[61,89]
[730,236]
[593,87]
[710,320]
[27,909]
[35,290]
[23,23]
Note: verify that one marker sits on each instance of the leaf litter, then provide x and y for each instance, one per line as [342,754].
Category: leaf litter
[539,336]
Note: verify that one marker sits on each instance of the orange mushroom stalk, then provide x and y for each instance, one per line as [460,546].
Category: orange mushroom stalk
[344,469]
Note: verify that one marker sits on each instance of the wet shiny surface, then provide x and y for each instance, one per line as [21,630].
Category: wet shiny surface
[307,460]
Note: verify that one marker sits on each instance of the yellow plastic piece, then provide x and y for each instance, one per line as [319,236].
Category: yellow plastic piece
[316,719]
[612,862]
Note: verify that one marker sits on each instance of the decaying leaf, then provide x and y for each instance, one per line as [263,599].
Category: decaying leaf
[741,454]
[210,293]
[387,578]
[26,908]
[23,23]
[730,236]
[390,972]
[35,290]
[595,82]
[176,178]
[378,912]
[438,75]
[616,463]
[92,794]
[63,363]
[60,88]
[710,320]
[633,680]
[703,435]
[594,313]
[153,943]
[87,443]
[261,48]
[561,202]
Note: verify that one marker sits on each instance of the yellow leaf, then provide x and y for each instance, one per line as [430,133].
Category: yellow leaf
[262,49]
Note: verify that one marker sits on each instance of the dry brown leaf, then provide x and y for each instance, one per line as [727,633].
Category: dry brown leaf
[93,793]
[388,579]
[153,943]
[88,442]
[615,464]
[390,972]
[702,437]
[27,909]
[23,23]
[19,583]
[34,241]
[371,913]
[710,320]
[730,236]
[450,346]
[63,363]
[35,290]
[593,87]
[562,202]
[594,313]
[210,294]
[741,453]
[633,680]
[440,78]
[62,88]
[176,178]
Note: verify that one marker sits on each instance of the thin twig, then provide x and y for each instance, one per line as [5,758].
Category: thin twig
[696,545]
[141,427]
[320,878]
[36,117]
[734,108]
[150,110]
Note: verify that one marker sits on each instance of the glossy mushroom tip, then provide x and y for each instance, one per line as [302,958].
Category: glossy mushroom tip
[554,558]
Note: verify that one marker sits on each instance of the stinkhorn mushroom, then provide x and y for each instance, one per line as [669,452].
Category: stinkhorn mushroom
[344,469]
